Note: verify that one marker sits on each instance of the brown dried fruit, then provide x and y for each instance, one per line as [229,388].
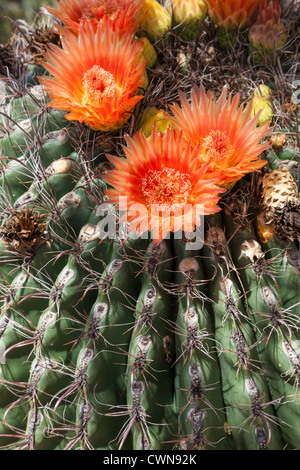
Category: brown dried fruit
[24,231]
[281,204]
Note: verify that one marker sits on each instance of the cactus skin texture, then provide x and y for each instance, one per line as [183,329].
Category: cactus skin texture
[124,344]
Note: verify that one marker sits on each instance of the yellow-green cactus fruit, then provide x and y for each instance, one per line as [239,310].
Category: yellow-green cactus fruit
[153,115]
[148,51]
[156,20]
[144,85]
[262,103]
[263,91]
[188,14]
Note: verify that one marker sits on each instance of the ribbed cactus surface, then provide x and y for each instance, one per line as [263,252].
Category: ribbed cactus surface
[117,342]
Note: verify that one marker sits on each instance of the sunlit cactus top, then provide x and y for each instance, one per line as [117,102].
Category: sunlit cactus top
[268,31]
[228,136]
[162,172]
[122,14]
[95,76]
[232,14]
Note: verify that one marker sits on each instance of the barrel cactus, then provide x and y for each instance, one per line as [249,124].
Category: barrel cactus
[114,336]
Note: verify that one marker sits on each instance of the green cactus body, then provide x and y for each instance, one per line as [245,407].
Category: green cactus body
[276,325]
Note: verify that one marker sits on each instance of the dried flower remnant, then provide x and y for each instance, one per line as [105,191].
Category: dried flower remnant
[281,204]
[95,76]
[24,231]
[39,41]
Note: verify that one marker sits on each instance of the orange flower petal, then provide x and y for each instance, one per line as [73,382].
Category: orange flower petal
[227,137]
[160,172]
[123,15]
[95,76]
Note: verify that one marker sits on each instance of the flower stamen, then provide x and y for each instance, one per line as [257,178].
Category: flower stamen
[98,8]
[99,86]
[217,148]
[166,187]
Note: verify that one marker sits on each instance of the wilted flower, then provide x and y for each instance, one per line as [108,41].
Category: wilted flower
[161,179]
[95,76]
[228,136]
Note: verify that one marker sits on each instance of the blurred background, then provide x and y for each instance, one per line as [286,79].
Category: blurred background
[17,9]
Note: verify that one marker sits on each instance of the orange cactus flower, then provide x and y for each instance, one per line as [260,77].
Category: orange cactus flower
[232,14]
[161,180]
[228,136]
[122,14]
[95,76]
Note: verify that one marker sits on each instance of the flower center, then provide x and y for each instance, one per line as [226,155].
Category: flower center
[99,86]
[98,8]
[216,147]
[166,187]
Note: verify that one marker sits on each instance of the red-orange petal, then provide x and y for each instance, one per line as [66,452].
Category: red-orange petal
[117,57]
